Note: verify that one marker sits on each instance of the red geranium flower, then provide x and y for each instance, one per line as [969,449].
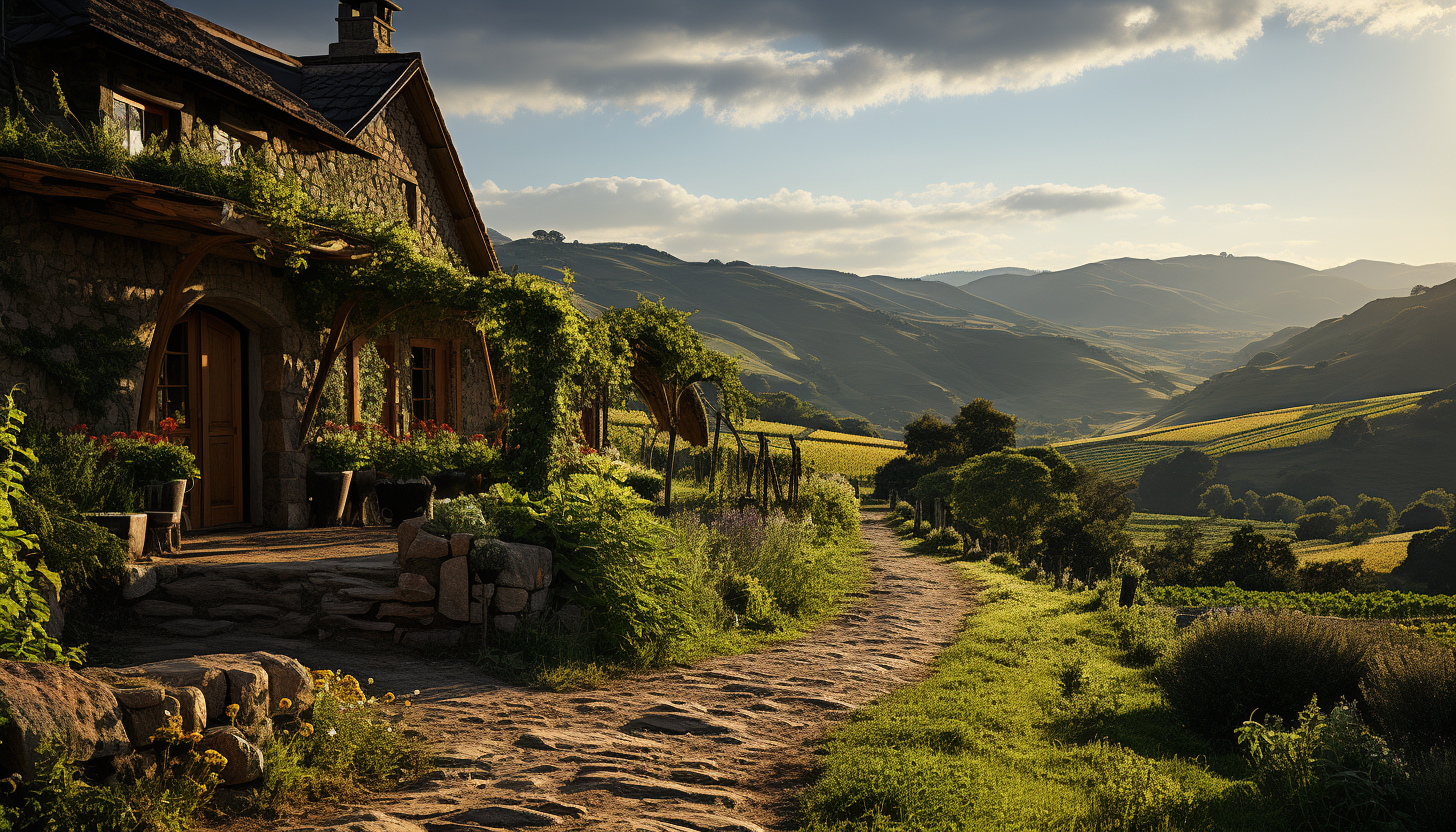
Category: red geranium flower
[168,425]
[80,428]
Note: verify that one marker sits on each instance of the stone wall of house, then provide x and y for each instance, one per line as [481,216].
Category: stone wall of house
[68,276]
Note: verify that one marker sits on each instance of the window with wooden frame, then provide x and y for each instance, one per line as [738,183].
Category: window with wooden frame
[434,380]
[139,122]
[411,194]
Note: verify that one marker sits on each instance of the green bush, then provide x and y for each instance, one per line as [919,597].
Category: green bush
[57,798]
[1337,575]
[1252,561]
[831,505]
[340,448]
[1410,691]
[460,516]
[1144,633]
[646,482]
[1378,511]
[1357,532]
[148,458]
[72,470]
[1328,772]
[751,604]
[1227,667]
[944,539]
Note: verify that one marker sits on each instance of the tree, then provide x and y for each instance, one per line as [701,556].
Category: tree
[1252,561]
[899,476]
[1172,485]
[928,437]
[1263,359]
[1431,559]
[1218,501]
[1283,507]
[1064,474]
[1350,431]
[1321,505]
[1009,495]
[1376,510]
[1254,505]
[1419,517]
[1441,499]
[1320,525]
[1178,560]
[1093,537]
[1418,289]
[662,337]
[549,236]
[983,429]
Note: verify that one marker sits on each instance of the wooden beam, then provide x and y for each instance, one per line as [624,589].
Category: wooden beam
[326,363]
[167,316]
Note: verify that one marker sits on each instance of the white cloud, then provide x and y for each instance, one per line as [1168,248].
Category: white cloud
[733,61]
[949,224]
[1230,208]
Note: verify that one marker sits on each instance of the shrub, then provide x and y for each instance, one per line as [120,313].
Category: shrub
[1329,772]
[476,456]
[73,470]
[1440,498]
[1317,526]
[1132,792]
[1226,667]
[1321,505]
[646,482]
[750,603]
[460,516]
[1177,561]
[1410,691]
[57,798]
[943,539]
[831,505]
[1144,633]
[1419,517]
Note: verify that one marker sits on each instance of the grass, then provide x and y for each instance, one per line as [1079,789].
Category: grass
[1124,455]
[1034,719]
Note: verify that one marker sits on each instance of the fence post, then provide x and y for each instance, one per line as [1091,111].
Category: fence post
[916,533]
[713,470]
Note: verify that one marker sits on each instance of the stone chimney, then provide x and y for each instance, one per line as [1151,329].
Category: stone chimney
[365,28]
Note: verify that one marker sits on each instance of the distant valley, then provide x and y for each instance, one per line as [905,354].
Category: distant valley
[1116,341]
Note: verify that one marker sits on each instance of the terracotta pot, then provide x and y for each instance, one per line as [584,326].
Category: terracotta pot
[328,496]
[400,500]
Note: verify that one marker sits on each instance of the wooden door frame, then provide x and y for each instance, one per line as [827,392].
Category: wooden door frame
[239,417]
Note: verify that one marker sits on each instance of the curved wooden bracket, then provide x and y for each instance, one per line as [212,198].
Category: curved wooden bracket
[167,315]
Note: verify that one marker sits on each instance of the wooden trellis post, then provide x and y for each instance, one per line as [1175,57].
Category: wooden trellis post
[713,463]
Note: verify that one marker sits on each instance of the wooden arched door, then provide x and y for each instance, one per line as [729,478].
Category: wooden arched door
[201,386]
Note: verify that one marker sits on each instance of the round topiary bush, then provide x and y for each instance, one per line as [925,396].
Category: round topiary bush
[1231,667]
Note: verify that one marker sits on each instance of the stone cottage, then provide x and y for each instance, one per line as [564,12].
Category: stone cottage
[226,352]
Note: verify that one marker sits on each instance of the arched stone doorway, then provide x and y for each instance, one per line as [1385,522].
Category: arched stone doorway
[202,386]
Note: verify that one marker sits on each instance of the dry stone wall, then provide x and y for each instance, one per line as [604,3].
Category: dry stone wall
[109,714]
[427,595]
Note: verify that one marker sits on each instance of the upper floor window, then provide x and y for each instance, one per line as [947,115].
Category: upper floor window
[138,122]
[227,145]
[411,193]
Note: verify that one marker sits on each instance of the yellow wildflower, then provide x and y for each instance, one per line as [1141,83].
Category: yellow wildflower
[232,711]
[307,729]
[407,703]
[214,758]
[195,736]
[371,680]
[285,703]
[389,697]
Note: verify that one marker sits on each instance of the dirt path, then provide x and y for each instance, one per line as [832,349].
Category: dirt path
[723,746]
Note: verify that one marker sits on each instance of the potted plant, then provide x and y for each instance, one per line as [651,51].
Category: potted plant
[478,460]
[444,448]
[162,468]
[335,454]
[405,462]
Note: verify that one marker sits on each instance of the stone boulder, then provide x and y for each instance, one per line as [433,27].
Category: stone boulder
[45,702]
[454,600]
[244,759]
[522,565]
[287,679]
[224,679]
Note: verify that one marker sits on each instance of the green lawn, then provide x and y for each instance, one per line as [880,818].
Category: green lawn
[992,741]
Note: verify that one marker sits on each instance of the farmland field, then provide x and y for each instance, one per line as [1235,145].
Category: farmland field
[1124,455]
[1381,554]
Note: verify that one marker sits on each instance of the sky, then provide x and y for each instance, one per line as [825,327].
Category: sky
[926,136]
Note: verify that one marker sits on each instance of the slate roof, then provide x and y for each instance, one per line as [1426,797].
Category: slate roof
[350,94]
[161,31]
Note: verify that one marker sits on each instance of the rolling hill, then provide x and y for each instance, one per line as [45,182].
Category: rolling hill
[827,337]
[1391,345]
[1244,293]
[961,278]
